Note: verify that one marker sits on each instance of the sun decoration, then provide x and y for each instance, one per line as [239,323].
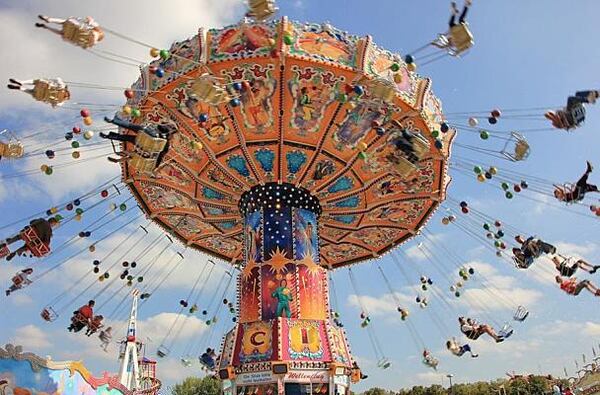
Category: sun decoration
[309,261]
[247,270]
[278,261]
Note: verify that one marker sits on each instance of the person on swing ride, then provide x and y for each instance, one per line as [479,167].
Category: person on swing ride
[473,330]
[155,131]
[405,143]
[576,193]
[562,265]
[43,230]
[151,129]
[105,337]
[430,360]
[20,280]
[455,348]
[455,12]
[52,90]
[573,114]
[82,317]
[574,287]
[94,325]
[83,32]
[531,248]
[208,358]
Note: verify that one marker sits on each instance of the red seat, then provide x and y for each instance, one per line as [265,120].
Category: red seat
[34,244]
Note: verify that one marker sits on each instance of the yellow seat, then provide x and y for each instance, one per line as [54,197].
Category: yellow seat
[206,89]
[47,92]
[404,167]
[146,151]
[461,38]
[261,9]
[381,89]
[79,34]
[421,146]
[11,150]
[521,150]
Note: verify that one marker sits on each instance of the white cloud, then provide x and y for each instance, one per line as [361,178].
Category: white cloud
[576,250]
[592,329]
[560,328]
[31,337]
[21,299]
[380,305]
[493,298]
[157,326]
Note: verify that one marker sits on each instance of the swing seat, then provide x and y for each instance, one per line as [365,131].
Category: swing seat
[11,150]
[567,119]
[575,115]
[506,331]
[152,145]
[460,39]
[4,251]
[521,314]
[380,88]
[33,243]
[48,92]
[78,33]
[431,363]
[206,89]
[521,149]
[261,9]
[405,166]
[384,363]
[48,314]
[162,351]
[146,151]
[186,361]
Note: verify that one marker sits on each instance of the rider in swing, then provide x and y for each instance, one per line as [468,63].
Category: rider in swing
[577,193]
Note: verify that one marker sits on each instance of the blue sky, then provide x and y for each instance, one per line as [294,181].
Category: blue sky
[527,54]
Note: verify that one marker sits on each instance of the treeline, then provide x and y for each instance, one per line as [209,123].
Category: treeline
[530,385]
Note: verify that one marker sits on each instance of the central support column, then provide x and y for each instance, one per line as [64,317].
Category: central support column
[284,340]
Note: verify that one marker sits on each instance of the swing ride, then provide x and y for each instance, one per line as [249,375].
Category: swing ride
[287,150]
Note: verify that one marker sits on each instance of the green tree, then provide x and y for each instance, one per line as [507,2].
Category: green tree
[375,391]
[207,385]
[538,385]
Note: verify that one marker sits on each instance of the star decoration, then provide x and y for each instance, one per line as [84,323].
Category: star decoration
[250,266]
[308,261]
[278,261]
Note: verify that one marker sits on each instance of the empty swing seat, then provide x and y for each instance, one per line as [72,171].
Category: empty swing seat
[381,88]
[384,363]
[506,331]
[162,351]
[187,362]
[206,89]
[261,9]
[521,314]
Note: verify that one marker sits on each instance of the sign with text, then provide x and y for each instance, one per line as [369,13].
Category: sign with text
[308,376]
[255,378]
